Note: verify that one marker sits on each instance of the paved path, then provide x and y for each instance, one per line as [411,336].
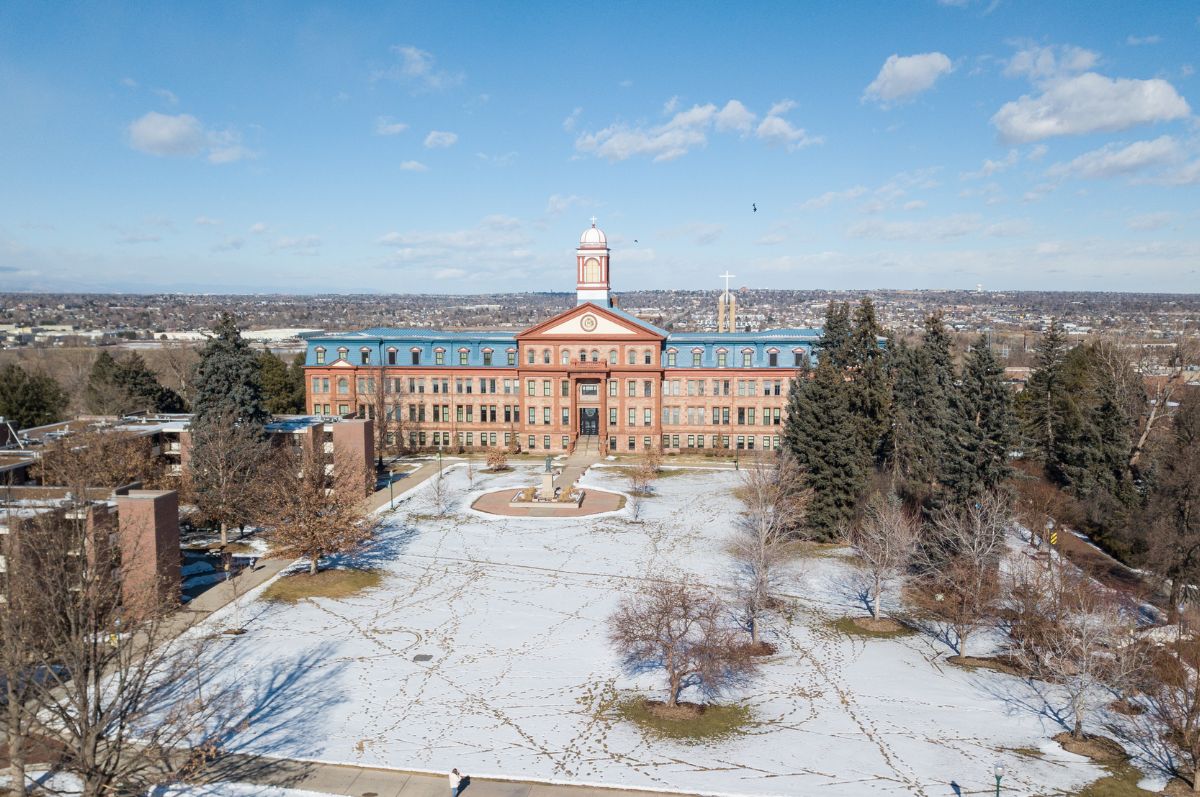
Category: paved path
[344,779]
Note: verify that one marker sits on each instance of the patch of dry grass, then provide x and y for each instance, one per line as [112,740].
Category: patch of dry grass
[687,722]
[884,628]
[338,583]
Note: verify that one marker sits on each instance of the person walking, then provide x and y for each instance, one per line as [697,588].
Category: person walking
[455,782]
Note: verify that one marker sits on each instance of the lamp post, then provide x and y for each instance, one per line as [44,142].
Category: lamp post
[998,771]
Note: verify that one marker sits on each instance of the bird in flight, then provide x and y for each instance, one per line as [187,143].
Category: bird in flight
[635,240]
[754,207]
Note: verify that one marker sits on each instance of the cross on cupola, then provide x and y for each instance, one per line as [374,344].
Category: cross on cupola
[591,267]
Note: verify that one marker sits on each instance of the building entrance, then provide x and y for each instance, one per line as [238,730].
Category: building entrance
[589,420]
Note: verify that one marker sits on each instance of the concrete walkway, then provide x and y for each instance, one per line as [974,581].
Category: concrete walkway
[345,779]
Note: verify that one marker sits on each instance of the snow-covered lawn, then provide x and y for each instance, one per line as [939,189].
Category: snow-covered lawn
[511,612]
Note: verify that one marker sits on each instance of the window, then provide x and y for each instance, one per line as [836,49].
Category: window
[612,387]
[343,386]
[565,357]
[533,416]
[591,271]
[632,445]
[462,356]
[697,354]
[647,388]
[671,357]
[566,416]
[566,442]
[631,387]
[595,356]
[391,356]
[546,442]
[589,389]
[747,358]
[612,356]
[530,387]
[530,355]
[631,417]
[512,357]
[487,357]
[364,356]
[583,355]
[722,358]
[532,442]
[632,357]
[316,384]
[545,356]
[798,358]
[342,352]
[546,387]
[647,357]
[320,355]
[612,416]
[439,356]
[772,358]
[646,443]
[647,417]
[546,416]
[416,357]
[565,388]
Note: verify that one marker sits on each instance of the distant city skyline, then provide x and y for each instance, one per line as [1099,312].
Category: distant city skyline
[462,148]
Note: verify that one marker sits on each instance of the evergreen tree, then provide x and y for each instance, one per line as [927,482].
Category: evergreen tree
[986,427]
[282,385]
[119,387]
[824,437]
[28,400]
[835,344]
[226,380]
[103,396]
[1043,401]
[870,388]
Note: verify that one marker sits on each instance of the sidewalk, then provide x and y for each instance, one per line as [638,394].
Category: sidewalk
[346,779]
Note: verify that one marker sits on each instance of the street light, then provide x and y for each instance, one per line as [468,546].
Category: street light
[998,771]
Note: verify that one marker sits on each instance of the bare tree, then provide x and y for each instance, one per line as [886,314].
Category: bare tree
[314,505]
[774,503]
[223,478]
[678,629]
[1073,633]
[641,476]
[497,460]
[959,583]
[96,458]
[885,541]
[19,652]
[1175,701]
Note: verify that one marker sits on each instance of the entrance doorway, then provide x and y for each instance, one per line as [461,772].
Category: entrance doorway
[589,420]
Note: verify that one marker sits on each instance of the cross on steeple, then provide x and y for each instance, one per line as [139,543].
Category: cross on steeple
[727,277]
[593,221]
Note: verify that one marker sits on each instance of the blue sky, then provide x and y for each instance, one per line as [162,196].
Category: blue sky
[455,148]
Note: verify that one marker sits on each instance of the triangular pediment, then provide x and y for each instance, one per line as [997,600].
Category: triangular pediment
[592,321]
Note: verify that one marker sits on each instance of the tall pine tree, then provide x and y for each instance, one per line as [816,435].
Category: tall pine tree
[870,386]
[835,344]
[1043,402]
[985,431]
[226,381]
[283,385]
[823,435]
[28,400]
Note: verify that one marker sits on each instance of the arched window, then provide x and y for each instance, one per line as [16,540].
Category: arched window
[595,356]
[512,356]
[439,356]
[320,355]
[672,355]
[799,358]
[583,355]
[531,356]
[612,356]
[632,357]
[364,356]
[697,356]
[416,355]
[591,271]
[343,386]
[463,356]
[391,352]
[342,352]
[487,356]
[747,357]
[772,357]
[546,356]
[565,357]
[722,358]
[648,357]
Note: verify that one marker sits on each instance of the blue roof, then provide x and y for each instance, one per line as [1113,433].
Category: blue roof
[375,333]
[747,337]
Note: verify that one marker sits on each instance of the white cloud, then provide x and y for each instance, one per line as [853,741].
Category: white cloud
[503,159]
[1188,174]
[440,139]
[697,232]
[689,129]
[449,274]
[300,245]
[1151,221]
[1049,62]
[417,68]
[774,129]
[558,204]
[413,166]
[129,83]
[771,239]
[671,105]
[205,221]
[734,117]
[182,135]
[168,96]
[384,126]
[914,204]
[829,197]
[1115,159]
[933,229]
[230,244]
[903,77]
[259,227]
[1137,41]
[1089,103]
[572,119]
[164,135]
[503,236]
[1037,153]
[991,167]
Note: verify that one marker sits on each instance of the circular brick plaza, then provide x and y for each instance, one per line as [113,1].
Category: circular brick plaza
[594,502]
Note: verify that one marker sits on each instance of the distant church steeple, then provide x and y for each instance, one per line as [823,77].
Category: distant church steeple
[591,284]
[727,307]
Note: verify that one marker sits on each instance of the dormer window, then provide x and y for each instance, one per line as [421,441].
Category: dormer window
[343,352]
[722,358]
[697,357]
[416,356]
[671,354]
[439,356]
[747,357]
[463,355]
[364,356]
[487,356]
[319,354]
[773,357]
[512,356]
[799,358]
[391,356]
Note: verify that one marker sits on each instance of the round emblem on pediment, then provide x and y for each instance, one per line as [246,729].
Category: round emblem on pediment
[588,322]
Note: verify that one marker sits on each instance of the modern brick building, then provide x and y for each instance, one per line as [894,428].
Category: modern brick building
[592,371]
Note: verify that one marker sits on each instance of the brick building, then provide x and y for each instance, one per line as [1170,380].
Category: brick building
[591,371]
